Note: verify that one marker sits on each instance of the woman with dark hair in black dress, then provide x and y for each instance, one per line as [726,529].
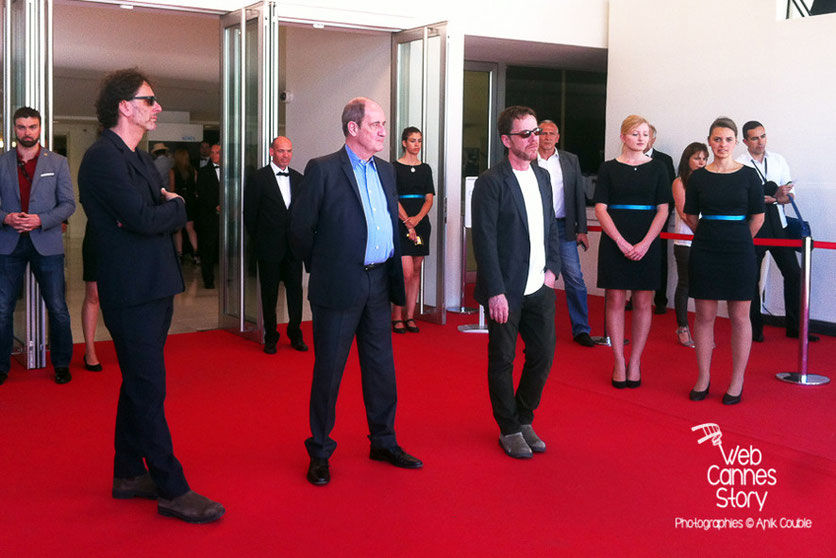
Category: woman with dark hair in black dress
[724,208]
[631,203]
[415,198]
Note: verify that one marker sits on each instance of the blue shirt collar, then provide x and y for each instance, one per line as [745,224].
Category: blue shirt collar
[356,161]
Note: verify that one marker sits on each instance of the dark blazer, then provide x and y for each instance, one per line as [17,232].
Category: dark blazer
[208,193]
[328,231]
[500,233]
[265,216]
[131,224]
[51,198]
[574,194]
[667,162]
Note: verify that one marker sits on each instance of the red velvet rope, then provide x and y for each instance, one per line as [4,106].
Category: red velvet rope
[790,243]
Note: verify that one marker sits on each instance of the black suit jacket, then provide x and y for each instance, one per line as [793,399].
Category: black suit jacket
[208,191]
[574,194]
[667,162]
[131,224]
[500,233]
[265,216]
[328,231]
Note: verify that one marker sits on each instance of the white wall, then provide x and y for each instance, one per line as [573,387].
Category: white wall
[322,81]
[736,59]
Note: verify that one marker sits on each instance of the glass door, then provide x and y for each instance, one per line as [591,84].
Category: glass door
[27,81]
[419,62]
[249,121]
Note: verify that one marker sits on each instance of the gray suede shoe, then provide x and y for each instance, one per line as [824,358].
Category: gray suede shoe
[515,445]
[532,439]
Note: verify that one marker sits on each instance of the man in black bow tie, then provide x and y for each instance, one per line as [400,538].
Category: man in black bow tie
[208,211]
[268,198]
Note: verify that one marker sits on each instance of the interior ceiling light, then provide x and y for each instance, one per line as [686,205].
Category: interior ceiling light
[126,6]
[319,26]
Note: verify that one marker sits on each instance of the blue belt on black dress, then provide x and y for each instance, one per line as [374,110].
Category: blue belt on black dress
[724,217]
[633,207]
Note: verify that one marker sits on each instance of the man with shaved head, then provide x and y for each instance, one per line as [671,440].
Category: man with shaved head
[344,227]
[268,199]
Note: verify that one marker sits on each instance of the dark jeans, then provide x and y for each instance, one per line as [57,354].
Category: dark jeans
[49,272]
[139,334]
[787,262]
[534,323]
[680,297]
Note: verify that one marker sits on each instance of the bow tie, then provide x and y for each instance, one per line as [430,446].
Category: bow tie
[283,173]
[216,166]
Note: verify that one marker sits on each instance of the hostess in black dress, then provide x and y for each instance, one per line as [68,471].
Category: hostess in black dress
[414,183]
[187,189]
[631,193]
[722,263]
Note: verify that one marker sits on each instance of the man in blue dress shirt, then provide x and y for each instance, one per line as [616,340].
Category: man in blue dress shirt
[343,226]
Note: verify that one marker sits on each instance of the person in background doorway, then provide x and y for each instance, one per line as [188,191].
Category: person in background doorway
[415,199]
[570,210]
[36,197]
[694,157]
[208,215]
[90,305]
[183,178]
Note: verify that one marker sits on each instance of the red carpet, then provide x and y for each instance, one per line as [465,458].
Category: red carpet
[621,466]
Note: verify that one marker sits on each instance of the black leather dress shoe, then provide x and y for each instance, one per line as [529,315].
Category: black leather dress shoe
[395,456]
[584,339]
[757,337]
[793,334]
[299,345]
[270,348]
[62,375]
[318,473]
[135,487]
[3,377]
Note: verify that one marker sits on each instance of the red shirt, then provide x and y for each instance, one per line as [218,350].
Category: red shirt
[25,176]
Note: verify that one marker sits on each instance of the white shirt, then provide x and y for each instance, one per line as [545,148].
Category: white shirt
[537,247]
[775,168]
[284,183]
[552,164]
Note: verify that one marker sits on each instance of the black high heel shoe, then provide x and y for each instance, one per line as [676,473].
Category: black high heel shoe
[635,383]
[699,395]
[732,399]
[92,367]
[619,384]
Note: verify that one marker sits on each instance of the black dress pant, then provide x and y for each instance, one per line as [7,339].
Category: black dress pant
[333,332]
[271,273]
[207,241]
[787,263]
[139,334]
[534,323]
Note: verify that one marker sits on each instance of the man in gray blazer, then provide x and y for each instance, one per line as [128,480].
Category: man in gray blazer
[570,210]
[36,197]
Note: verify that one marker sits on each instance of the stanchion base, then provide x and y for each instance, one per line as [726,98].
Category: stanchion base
[472,328]
[803,380]
[462,310]
[605,341]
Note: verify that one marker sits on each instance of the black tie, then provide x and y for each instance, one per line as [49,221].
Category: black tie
[282,173]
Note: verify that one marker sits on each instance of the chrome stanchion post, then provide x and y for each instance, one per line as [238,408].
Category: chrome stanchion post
[802,377]
[605,339]
[481,327]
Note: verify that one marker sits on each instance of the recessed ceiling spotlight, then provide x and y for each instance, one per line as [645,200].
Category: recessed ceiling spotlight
[319,26]
[126,6]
